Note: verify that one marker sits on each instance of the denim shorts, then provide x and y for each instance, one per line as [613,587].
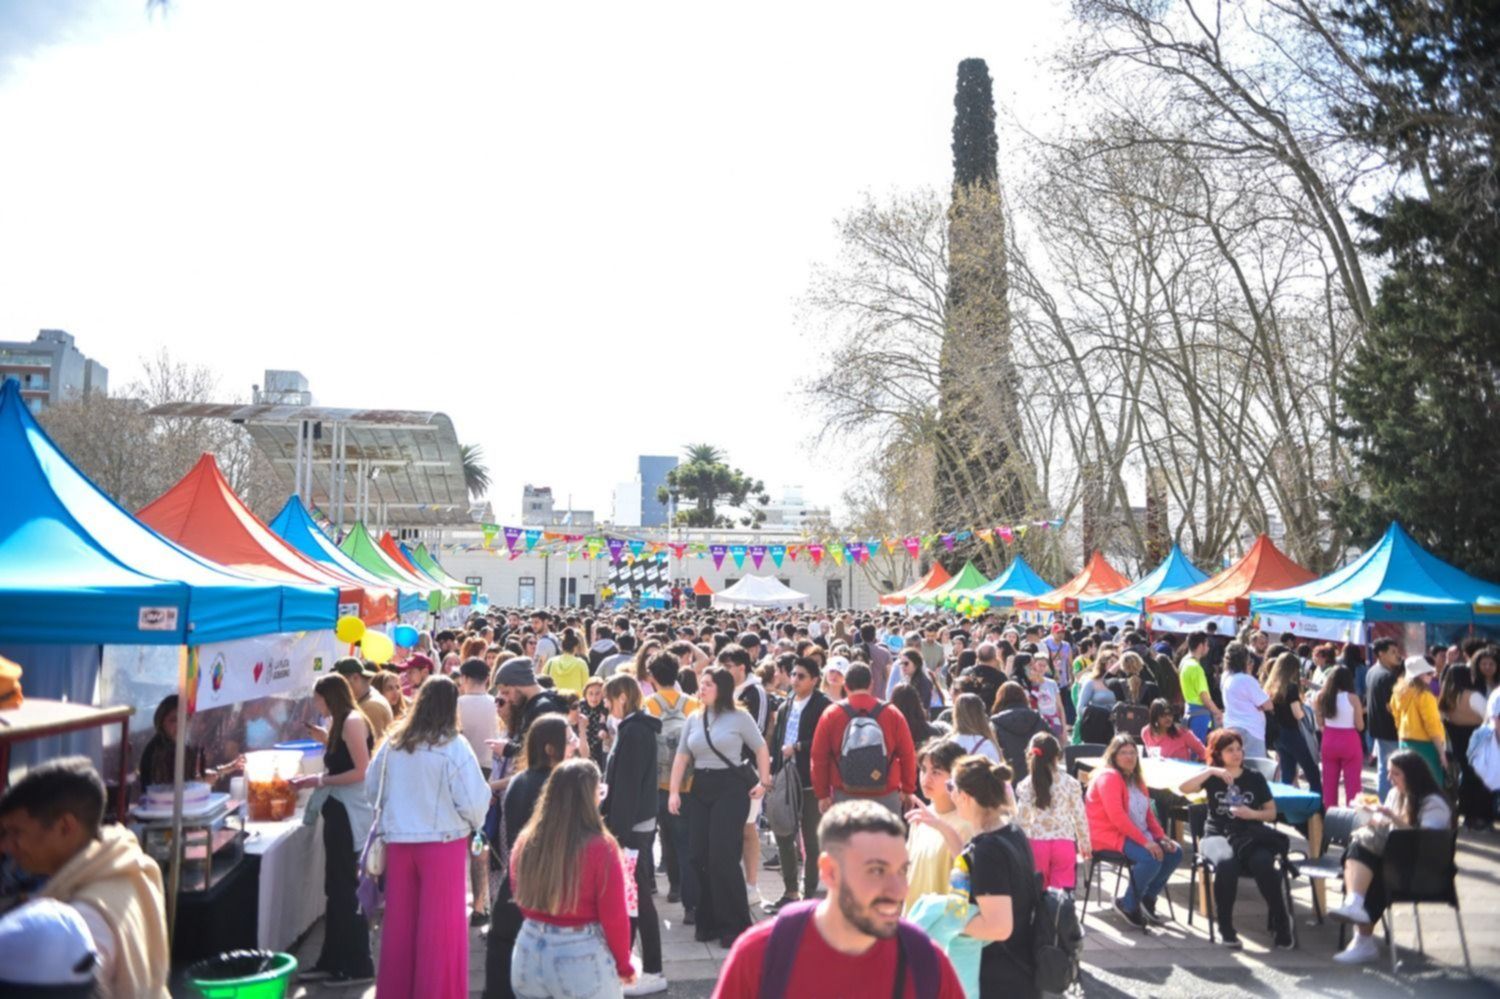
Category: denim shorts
[563,962]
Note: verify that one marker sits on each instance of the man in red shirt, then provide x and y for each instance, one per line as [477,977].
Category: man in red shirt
[852,944]
[828,740]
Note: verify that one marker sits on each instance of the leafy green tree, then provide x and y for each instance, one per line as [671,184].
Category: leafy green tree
[706,481]
[1421,398]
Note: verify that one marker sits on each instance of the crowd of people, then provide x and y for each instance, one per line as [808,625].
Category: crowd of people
[535,773]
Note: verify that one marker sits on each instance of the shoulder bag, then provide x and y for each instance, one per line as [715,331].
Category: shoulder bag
[746,772]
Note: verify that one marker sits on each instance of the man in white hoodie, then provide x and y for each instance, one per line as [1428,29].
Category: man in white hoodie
[51,823]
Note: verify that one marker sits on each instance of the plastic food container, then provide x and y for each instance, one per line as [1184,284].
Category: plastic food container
[268,788]
[312,753]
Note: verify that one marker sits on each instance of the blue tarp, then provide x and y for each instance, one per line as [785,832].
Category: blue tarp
[1396,580]
[1018,581]
[1174,573]
[296,527]
[77,569]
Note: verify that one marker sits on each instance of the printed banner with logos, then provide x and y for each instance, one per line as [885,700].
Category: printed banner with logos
[1329,629]
[250,668]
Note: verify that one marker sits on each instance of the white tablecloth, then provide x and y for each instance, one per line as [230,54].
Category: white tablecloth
[291,879]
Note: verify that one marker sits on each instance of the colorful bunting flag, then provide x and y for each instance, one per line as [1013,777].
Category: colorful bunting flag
[616,546]
[489,530]
[838,551]
[814,550]
[677,549]
[757,554]
[948,542]
[718,552]
[737,552]
[636,547]
[512,537]
[532,537]
[913,545]
[778,552]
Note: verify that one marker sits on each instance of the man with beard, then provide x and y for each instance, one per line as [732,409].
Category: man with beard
[522,701]
[853,943]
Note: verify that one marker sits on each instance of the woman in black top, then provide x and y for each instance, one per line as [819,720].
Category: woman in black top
[1241,810]
[997,870]
[548,743]
[1284,686]
[346,934]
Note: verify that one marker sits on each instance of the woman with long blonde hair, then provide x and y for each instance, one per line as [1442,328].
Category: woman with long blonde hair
[972,729]
[570,885]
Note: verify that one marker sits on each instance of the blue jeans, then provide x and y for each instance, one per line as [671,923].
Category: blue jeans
[563,961]
[1198,719]
[1384,750]
[1149,873]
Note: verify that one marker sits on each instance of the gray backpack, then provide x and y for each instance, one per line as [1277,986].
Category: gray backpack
[673,721]
[864,759]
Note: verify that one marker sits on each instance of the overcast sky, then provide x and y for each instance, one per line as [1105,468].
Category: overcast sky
[581,230]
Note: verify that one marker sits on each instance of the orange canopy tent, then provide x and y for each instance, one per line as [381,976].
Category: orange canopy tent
[702,589]
[1264,567]
[202,514]
[1098,577]
[936,576]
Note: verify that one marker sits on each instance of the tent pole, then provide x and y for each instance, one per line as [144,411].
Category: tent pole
[297,465]
[179,765]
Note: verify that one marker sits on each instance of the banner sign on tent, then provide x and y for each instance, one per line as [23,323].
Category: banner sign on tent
[248,668]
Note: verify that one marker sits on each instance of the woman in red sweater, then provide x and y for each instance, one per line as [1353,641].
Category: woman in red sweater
[1121,820]
[1176,742]
[570,885]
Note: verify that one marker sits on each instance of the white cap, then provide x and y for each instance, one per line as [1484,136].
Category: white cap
[837,663]
[1417,666]
[46,942]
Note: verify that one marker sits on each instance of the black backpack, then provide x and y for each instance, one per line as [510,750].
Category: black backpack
[1056,934]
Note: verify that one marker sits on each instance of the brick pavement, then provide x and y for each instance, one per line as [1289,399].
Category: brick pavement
[1178,960]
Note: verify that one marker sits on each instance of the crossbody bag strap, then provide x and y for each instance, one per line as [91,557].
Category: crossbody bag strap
[709,739]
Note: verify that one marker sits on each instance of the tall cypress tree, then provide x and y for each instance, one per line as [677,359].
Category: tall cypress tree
[1421,398]
[980,477]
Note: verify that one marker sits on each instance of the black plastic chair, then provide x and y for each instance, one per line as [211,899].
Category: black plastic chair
[1208,853]
[1082,751]
[1123,866]
[1338,827]
[1421,866]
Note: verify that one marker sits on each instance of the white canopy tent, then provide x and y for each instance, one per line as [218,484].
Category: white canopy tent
[758,591]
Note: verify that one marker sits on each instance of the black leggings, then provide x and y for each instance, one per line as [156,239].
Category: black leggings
[717,810]
[346,933]
[1260,863]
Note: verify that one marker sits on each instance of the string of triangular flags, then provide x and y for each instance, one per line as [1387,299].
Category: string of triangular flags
[519,541]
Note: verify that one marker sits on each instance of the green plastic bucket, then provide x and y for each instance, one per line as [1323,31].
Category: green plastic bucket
[242,974]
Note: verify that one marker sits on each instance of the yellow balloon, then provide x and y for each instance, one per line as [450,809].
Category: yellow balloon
[349,629]
[377,648]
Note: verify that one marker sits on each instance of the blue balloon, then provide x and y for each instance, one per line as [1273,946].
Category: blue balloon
[405,635]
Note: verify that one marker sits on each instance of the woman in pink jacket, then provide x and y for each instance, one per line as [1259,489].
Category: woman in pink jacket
[1121,820]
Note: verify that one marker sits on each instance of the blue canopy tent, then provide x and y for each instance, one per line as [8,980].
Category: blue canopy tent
[1017,582]
[297,528]
[1174,573]
[77,569]
[1395,580]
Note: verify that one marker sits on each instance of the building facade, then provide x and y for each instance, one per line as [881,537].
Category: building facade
[653,469]
[51,369]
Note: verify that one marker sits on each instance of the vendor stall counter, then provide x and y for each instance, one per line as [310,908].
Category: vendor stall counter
[38,718]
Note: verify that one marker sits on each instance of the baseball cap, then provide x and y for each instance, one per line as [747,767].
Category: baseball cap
[418,661]
[349,666]
[46,943]
[838,664]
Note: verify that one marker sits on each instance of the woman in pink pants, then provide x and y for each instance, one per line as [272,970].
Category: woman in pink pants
[1049,810]
[435,798]
[1342,717]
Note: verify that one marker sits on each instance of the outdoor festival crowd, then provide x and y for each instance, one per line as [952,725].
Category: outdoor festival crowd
[930,786]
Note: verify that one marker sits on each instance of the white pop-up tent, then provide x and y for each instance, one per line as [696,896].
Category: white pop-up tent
[758,591]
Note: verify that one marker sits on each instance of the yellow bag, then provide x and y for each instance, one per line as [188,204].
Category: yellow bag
[10,685]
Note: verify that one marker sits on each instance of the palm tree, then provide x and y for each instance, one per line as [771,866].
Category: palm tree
[476,473]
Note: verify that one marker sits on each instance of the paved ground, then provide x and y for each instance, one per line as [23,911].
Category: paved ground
[1178,960]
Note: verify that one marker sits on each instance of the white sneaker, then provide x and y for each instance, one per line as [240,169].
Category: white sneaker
[752,895]
[1361,950]
[1348,913]
[647,983]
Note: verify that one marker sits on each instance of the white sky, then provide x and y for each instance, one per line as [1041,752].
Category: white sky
[581,230]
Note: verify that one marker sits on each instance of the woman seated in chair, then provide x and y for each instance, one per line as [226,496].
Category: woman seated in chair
[1176,742]
[1414,802]
[1242,812]
[1121,821]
